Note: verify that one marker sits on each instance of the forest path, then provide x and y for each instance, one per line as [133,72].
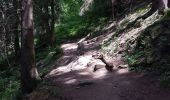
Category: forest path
[75,78]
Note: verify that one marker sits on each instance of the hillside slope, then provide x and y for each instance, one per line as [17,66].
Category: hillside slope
[139,42]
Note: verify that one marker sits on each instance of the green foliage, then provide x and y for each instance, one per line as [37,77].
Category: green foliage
[100,8]
[134,59]
[73,26]
[71,30]
[47,57]
[168,13]
[154,43]
[9,84]
[70,23]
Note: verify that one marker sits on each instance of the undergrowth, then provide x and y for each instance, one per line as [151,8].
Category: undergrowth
[9,80]
[152,52]
[150,45]
[10,75]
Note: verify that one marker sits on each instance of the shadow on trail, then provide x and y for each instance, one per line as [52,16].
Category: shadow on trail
[117,85]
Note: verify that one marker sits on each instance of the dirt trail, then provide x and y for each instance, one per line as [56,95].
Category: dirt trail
[76,80]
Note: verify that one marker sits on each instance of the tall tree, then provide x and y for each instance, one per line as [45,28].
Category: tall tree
[29,74]
[16,29]
[46,12]
[52,24]
[113,7]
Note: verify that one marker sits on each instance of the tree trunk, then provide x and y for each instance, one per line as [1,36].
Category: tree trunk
[52,24]
[16,45]
[113,8]
[29,74]
[16,30]
[163,4]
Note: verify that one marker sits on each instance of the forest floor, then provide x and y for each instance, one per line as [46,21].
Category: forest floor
[74,78]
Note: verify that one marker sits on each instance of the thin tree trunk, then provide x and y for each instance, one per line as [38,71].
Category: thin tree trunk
[113,8]
[52,24]
[29,74]
[16,46]
[16,30]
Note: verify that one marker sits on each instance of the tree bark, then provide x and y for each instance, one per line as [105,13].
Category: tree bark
[163,4]
[16,30]
[113,8]
[29,74]
[52,24]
